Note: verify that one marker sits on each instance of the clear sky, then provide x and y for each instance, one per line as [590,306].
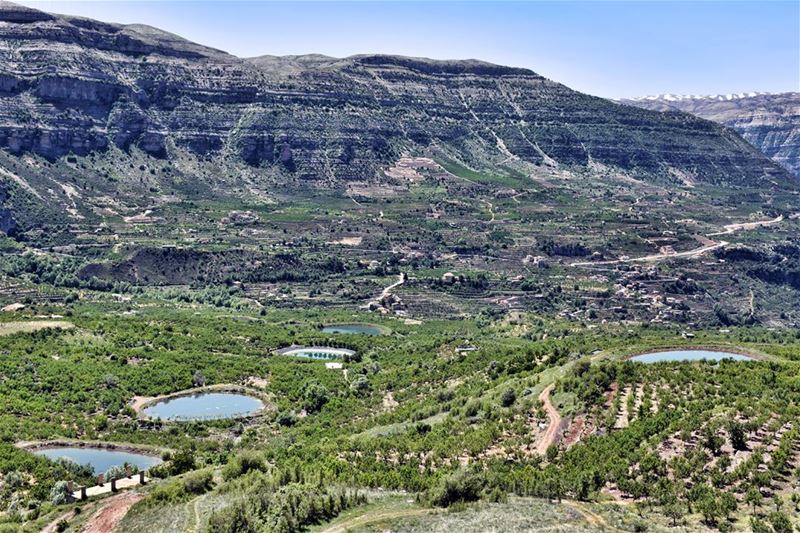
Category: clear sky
[611,49]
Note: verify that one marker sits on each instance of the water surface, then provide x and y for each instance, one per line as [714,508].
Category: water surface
[364,329]
[205,406]
[99,459]
[316,352]
[689,355]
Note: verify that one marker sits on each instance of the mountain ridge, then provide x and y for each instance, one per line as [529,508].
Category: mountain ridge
[678,97]
[75,87]
[769,121]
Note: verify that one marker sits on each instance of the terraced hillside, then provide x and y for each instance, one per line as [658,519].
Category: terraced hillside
[131,158]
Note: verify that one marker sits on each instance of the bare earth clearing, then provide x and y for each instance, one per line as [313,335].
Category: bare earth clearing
[111,513]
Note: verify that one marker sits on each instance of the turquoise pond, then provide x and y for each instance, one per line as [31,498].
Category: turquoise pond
[100,459]
[205,406]
[688,355]
[317,352]
[363,329]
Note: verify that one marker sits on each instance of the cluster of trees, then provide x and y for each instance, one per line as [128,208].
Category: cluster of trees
[447,405]
[702,478]
[280,500]
[181,489]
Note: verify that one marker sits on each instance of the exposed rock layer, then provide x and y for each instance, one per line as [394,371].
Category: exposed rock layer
[76,86]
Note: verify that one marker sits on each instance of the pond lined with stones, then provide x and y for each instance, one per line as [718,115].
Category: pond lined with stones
[99,459]
[689,355]
[316,352]
[204,406]
[363,329]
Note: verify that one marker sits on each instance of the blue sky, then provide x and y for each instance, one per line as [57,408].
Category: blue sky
[611,49]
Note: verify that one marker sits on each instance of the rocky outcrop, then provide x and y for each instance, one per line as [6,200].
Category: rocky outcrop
[76,86]
[7,222]
[770,122]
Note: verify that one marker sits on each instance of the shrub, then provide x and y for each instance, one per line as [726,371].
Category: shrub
[508,398]
[244,463]
[59,494]
[181,489]
[360,385]
[182,461]
[780,522]
[287,418]
[118,472]
[463,485]
[198,482]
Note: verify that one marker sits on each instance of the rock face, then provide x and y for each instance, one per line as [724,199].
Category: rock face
[770,122]
[72,86]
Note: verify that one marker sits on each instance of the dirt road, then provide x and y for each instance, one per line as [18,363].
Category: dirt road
[388,290]
[708,245]
[113,510]
[370,518]
[551,434]
[690,254]
[731,228]
[593,518]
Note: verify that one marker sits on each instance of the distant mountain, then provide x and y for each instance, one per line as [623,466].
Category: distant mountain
[221,125]
[770,122]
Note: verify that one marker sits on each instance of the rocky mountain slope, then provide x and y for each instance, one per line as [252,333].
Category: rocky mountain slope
[95,101]
[770,122]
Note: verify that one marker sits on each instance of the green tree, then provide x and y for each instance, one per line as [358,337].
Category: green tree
[780,522]
[738,435]
[551,453]
[712,441]
[315,397]
[753,497]
[710,508]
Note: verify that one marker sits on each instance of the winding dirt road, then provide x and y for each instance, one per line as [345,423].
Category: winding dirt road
[388,290]
[708,246]
[490,207]
[659,257]
[551,434]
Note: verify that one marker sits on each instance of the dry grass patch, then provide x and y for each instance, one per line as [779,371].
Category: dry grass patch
[10,328]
